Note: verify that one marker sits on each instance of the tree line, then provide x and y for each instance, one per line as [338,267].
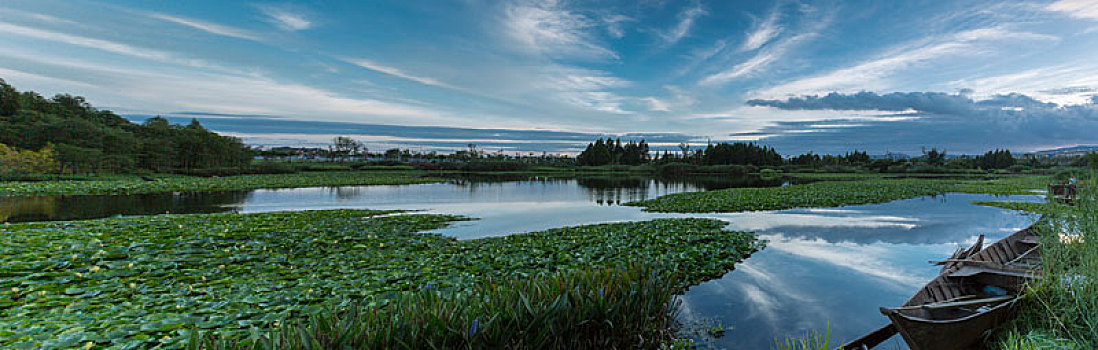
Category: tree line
[81,139]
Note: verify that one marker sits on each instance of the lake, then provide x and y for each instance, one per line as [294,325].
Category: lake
[827,269]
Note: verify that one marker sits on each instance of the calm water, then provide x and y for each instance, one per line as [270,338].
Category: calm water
[822,269]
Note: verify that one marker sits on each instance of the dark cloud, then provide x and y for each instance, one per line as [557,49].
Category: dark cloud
[952,121]
[286,132]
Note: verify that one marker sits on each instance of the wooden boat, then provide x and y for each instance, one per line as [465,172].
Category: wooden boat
[974,293]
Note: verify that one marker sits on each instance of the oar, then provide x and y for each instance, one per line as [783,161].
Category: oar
[872,339]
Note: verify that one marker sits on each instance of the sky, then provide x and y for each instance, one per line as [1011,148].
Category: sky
[550,76]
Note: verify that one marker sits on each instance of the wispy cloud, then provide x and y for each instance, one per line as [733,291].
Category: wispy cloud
[871,74]
[1087,9]
[656,104]
[208,27]
[763,32]
[107,45]
[758,62]
[545,28]
[770,53]
[614,24]
[286,18]
[394,72]
[682,28]
[586,88]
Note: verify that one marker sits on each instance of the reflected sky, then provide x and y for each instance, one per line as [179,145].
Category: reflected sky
[823,268]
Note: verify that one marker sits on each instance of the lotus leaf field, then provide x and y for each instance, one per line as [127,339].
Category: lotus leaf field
[139,282]
[179,183]
[831,194]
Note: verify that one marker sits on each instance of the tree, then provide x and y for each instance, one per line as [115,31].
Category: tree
[345,147]
[934,156]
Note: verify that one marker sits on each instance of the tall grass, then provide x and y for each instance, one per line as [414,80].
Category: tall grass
[629,307]
[1060,310]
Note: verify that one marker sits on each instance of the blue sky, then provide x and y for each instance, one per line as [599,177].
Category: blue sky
[542,74]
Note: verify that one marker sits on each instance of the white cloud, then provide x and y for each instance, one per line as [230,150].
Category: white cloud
[1066,84]
[547,29]
[105,45]
[585,88]
[871,74]
[145,90]
[614,25]
[763,32]
[657,105]
[757,63]
[1087,9]
[286,18]
[686,21]
[394,72]
[208,27]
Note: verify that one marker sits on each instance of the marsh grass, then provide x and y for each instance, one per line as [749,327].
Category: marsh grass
[596,308]
[1058,311]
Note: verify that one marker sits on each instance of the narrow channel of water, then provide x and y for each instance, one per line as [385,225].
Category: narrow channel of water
[823,269]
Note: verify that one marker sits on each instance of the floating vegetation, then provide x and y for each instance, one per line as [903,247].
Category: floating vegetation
[828,194]
[1030,207]
[180,183]
[144,281]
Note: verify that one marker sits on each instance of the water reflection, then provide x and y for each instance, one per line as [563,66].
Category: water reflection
[472,190]
[47,208]
[831,269]
[828,268]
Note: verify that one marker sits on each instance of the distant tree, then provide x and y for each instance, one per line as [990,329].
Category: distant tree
[345,147]
[934,156]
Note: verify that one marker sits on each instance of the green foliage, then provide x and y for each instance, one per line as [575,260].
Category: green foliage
[143,281]
[614,152]
[89,140]
[829,194]
[591,308]
[1058,310]
[15,161]
[813,340]
[178,183]
[997,159]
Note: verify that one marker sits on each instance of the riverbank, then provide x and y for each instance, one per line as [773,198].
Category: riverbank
[139,281]
[162,183]
[1058,310]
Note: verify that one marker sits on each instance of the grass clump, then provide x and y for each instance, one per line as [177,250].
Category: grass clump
[1058,310]
[138,282]
[628,307]
[812,340]
[180,183]
[827,194]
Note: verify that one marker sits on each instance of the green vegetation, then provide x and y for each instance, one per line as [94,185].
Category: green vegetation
[592,308]
[1029,207]
[180,183]
[142,281]
[83,139]
[1058,310]
[829,194]
[813,340]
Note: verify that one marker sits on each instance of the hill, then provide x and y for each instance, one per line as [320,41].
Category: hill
[66,134]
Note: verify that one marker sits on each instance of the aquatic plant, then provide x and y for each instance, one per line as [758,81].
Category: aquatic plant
[144,281]
[827,194]
[627,307]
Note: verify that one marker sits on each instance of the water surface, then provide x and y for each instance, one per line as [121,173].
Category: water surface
[823,269]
